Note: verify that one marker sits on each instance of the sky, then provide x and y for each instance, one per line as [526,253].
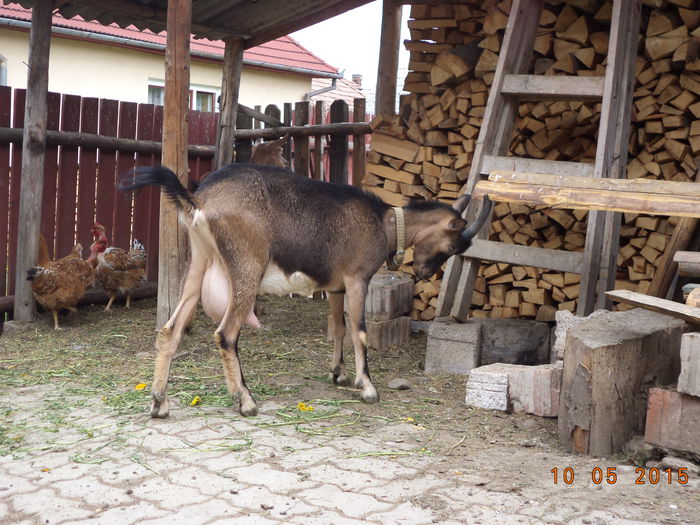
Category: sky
[350,42]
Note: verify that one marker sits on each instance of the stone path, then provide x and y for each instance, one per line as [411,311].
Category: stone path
[207,465]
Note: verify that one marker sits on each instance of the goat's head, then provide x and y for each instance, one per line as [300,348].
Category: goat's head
[270,153]
[447,235]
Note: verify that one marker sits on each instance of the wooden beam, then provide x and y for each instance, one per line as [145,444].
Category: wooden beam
[33,150]
[655,304]
[541,87]
[343,128]
[230,86]
[559,260]
[173,247]
[254,113]
[688,263]
[385,102]
[551,167]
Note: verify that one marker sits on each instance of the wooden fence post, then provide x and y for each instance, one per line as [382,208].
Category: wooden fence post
[173,247]
[301,144]
[287,151]
[318,171]
[230,86]
[34,147]
[358,143]
[338,145]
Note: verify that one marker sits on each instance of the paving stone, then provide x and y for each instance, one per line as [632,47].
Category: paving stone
[326,518]
[282,482]
[404,513]
[345,479]
[253,498]
[92,492]
[301,460]
[200,480]
[349,503]
[140,512]
[11,485]
[393,491]
[46,507]
[244,520]
[375,468]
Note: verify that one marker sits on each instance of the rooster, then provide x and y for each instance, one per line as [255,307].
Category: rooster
[60,284]
[118,270]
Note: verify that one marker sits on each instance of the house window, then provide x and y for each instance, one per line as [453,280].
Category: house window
[204,100]
[3,71]
[156,95]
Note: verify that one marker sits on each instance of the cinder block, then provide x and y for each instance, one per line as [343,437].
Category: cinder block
[689,378]
[673,421]
[521,388]
[452,348]
[487,387]
[389,295]
[516,341]
[385,334]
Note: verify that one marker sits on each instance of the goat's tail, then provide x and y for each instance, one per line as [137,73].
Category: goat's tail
[163,177]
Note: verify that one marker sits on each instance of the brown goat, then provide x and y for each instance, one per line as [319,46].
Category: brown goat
[270,153]
[259,229]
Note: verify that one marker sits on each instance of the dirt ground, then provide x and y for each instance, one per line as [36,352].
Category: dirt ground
[109,357]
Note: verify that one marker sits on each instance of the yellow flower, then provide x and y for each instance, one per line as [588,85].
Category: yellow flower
[104,398]
[195,401]
[304,407]
[46,469]
[409,420]
[140,386]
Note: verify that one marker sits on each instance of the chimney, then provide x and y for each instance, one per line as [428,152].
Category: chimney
[357,79]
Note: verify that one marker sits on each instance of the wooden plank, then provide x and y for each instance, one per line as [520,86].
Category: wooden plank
[359,143]
[301,144]
[590,199]
[154,207]
[317,164]
[177,80]
[144,199]
[5,116]
[121,232]
[67,189]
[48,200]
[34,146]
[230,87]
[107,166]
[690,314]
[551,167]
[688,263]
[209,124]
[338,147]
[558,260]
[388,64]
[550,87]
[194,128]
[88,173]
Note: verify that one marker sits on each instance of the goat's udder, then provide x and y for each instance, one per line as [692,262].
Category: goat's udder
[215,294]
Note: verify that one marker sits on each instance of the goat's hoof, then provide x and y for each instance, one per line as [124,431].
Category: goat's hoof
[369,394]
[248,408]
[160,408]
[342,379]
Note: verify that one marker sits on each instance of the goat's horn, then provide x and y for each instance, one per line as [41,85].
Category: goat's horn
[461,204]
[479,222]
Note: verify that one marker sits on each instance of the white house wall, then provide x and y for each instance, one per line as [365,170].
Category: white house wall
[105,71]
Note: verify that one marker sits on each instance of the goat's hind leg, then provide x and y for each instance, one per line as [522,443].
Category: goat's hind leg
[337,308]
[169,339]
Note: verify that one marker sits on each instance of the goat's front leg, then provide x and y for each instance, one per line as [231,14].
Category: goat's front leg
[169,339]
[335,301]
[356,291]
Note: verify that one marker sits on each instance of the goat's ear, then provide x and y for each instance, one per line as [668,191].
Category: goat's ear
[456,224]
[461,204]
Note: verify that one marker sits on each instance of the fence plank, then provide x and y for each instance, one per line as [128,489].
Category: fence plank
[359,144]
[154,208]
[338,146]
[67,187]
[194,130]
[287,150]
[5,111]
[317,166]
[209,123]
[106,169]
[301,144]
[89,113]
[48,195]
[121,233]
[15,186]
[144,199]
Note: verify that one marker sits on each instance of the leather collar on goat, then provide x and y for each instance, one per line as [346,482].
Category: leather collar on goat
[397,259]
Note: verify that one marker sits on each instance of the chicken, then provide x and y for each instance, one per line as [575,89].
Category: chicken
[60,284]
[118,270]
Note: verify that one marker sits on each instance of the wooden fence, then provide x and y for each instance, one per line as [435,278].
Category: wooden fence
[92,143]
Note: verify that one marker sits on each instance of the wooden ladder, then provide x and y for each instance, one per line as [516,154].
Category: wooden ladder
[511,85]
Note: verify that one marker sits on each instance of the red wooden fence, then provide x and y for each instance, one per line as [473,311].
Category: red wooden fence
[80,182]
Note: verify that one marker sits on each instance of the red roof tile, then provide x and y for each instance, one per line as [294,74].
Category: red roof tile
[283,52]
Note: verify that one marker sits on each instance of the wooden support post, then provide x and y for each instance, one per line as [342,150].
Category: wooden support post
[338,146]
[33,150]
[173,247]
[388,66]
[230,85]
[358,143]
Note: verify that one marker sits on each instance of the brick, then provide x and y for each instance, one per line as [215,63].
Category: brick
[389,295]
[689,378]
[673,420]
[487,387]
[385,334]
[453,348]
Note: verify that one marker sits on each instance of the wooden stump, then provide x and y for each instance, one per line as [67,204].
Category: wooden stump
[610,362]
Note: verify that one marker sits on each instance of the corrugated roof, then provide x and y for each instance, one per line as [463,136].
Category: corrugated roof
[282,52]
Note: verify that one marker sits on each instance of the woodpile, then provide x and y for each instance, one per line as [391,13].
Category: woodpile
[425,152]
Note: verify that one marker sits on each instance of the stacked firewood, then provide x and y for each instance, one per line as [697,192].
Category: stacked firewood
[426,151]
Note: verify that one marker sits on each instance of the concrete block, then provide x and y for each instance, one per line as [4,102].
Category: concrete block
[515,341]
[521,388]
[689,378]
[487,387]
[565,321]
[453,348]
[385,334]
[673,421]
[389,295]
